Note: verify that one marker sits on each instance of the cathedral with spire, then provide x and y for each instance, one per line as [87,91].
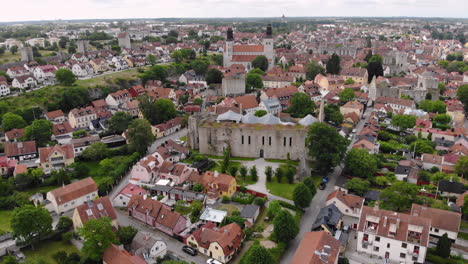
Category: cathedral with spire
[245,54]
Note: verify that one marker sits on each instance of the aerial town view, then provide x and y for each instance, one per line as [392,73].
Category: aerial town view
[241,132]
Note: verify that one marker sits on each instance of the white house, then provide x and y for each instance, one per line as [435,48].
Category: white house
[82,69]
[44,72]
[442,221]
[272,106]
[348,204]
[68,197]
[398,237]
[124,196]
[24,82]
[4,89]
[148,247]
[116,99]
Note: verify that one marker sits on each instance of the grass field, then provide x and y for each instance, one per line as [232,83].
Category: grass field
[94,167]
[46,249]
[108,78]
[43,189]
[282,189]
[7,57]
[228,208]
[5,218]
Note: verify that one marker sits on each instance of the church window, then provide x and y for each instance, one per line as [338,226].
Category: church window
[290,141]
[249,140]
[284,141]
[269,141]
[242,140]
[263,140]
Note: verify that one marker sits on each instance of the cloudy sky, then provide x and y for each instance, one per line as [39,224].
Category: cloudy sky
[23,10]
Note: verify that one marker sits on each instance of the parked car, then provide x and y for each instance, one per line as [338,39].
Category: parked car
[189,250]
[322,186]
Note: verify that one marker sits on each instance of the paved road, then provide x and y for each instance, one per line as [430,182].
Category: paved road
[318,202]
[151,150]
[173,245]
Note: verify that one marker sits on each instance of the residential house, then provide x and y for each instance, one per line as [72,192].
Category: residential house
[24,82]
[177,194]
[146,170]
[348,204]
[14,135]
[4,87]
[221,244]
[442,221]
[63,132]
[167,128]
[44,72]
[116,99]
[56,116]
[94,209]
[429,161]
[82,69]
[156,214]
[148,247]
[210,215]
[278,81]
[358,75]
[175,173]
[7,166]
[396,103]
[317,248]
[123,198]
[117,255]
[191,77]
[131,108]
[451,188]
[99,65]
[56,157]
[68,197]
[394,236]
[80,144]
[247,103]
[283,94]
[250,213]
[137,90]
[272,106]
[21,150]
[352,107]
[80,118]
[329,219]
[216,184]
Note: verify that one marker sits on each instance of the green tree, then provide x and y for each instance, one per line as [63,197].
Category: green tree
[302,196]
[301,105]
[358,186]
[64,224]
[140,135]
[374,67]
[257,254]
[279,173]
[198,101]
[443,246]
[274,207]
[233,170]
[253,173]
[73,97]
[260,62]
[198,187]
[11,121]
[199,66]
[268,173]
[462,166]
[346,95]
[151,59]
[253,81]
[422,146]
[243,172]
[403,121]
[462,95]
[360,163]
[442,119]
[214,76]
[326,146]
[156,72]
[349,81]
[13,49]
[309,182]
[158,111]
[399,196]
[333,64]
[226,159]
[96,151]
[333,114]
[40,130]
[260,113]
[98,236]
[257,71]
[65,77]
[433,106]
[71,50]
[119,122]
[126,234]
[313,69]
[9,260]
[285,227]
[28,231]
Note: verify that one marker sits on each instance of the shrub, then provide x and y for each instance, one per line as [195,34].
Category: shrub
[226,199]
[259,201]
[243,198]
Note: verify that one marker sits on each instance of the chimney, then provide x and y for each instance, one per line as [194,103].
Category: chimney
[398,223]
[385,221]
[376,206]
[144,197]
[216,174]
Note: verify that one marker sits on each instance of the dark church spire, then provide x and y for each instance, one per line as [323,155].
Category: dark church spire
[230,34]
[269,31]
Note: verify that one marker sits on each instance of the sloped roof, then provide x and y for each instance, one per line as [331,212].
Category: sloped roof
[308,120]
[441,219]
[229,116]
[74,190]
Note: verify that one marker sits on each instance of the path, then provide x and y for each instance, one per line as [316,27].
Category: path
[318,202]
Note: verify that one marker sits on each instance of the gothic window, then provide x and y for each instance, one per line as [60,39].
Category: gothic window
[284,141]
[249,140]
[242,140]
[269,141]
[290,141]
[263,140]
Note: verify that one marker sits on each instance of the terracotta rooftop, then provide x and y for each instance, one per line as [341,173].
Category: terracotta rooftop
[441,219]
[312,245]
[95,209]
[74,190]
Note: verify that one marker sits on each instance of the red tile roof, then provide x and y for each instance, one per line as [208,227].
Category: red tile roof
[441,219]
[116,255]
[248,48]
[65,150]
[95,209]
[74,190]
[20,148]
[315,242]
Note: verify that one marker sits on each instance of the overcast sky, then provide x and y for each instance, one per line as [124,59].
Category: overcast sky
[24,10]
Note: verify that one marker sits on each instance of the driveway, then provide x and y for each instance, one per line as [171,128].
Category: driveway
[318,201]
[151,150]
[173,245]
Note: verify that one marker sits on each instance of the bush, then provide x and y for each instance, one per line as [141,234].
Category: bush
[225,199]
[259,201]
[243,198]
[66,237]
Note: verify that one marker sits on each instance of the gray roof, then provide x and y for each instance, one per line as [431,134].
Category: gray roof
[269,119]
[249,211]
[329,216]
[250,119]
[229,116]
[308,120]
[161,188]
[272,103]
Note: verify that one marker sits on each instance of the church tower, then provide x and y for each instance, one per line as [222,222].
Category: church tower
[268,47]
[228,49]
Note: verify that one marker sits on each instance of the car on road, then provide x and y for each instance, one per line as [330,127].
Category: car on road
[189,250]
[322,186]
[213,261]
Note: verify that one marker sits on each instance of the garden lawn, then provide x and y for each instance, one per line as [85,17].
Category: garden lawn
[463,236]
[42,189]
[294,162]
[46,249]
[108,78]
[94,167]
[5,218]
[464,225]
[228,208]
[283,189]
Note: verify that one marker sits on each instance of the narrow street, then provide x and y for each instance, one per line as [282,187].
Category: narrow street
[319,201]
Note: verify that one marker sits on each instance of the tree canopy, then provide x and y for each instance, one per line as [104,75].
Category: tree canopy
[403,121]
[213,76]
[399,196]
[302,196]
[96,151]
[333,64]
[285,227]
[301,105]
[462,166]
[11,121]
[360,163]
[260,62]
[199,66]
[257,254]
[98,236]
[119,122]
[346,95]
[326,146]
[462,95]
[333,114]
[374,67]
[433,106]
[140,135]
[65,77]
[253,81]
[156,72]
[314,68]
[28,231]
[158,111]
[40,130]
[358,186]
